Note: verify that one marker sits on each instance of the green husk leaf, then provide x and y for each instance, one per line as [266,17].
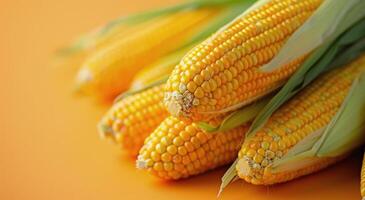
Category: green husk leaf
[319,61]
[236,118]
[351,53]
[349,42]
[326,23]
[343,134]
[228,177]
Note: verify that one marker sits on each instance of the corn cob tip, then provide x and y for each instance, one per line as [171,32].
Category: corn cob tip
[141,163]
[105,131]
[243,167]
[178,104]
[83,77]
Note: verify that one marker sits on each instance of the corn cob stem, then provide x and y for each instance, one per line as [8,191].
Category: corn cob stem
[132,118]
[179,149]
[222,73]
[307,113]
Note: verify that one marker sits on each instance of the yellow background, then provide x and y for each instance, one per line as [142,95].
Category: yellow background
[49,147]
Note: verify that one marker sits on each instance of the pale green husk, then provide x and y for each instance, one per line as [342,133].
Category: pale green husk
[237,118]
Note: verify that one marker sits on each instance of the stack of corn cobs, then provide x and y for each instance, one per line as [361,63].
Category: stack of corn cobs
[276,87]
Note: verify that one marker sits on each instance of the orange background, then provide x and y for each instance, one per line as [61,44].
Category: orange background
[49,146]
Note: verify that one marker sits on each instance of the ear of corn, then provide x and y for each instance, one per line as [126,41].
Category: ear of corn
[111,69]
[179,149]
[265,157]
[131,119]
[221,74]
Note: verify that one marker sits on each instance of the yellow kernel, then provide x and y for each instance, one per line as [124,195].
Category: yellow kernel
[182,150]
[166,141]
[191,130]
[178,167]
[195,141]
[199,93]
[186,159]
[166,157]
[212,84]
[258,158]
[282,145]
[155,156]
[168,166]
[176,158]
[261,151]
[191,86]
[200,152]
[206,86]
[274,146]
[202,137]
[189,146]
[205,74]
[172,149]
[184,135]
[198,79]
[193,156]
[178,141]
[158,166]
[251,153]
[160,148]
[149,162]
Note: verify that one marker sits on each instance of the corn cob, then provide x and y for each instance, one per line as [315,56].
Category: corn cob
[179,149]
[109,70]
[131,119]
[221,74]
[362,183]
[309,112]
